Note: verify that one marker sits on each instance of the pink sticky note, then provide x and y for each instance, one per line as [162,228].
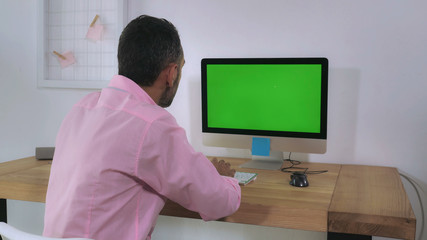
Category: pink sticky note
[69,59]
[94,33]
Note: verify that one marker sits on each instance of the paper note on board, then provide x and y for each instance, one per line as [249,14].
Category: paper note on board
[66,58]
[95,32]
[261,146]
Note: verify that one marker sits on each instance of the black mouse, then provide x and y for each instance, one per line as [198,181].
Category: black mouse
[299,179]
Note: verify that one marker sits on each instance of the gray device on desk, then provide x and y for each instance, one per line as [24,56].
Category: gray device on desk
[45,153]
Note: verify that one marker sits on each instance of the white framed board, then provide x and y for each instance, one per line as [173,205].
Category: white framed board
[77,42]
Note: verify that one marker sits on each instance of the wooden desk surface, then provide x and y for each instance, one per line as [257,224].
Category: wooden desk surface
[371,201]
[24,179]
[346,199]
[271,201]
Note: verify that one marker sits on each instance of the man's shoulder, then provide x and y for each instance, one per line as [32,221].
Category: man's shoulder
[133,106]
[150,112]
[143,110]
[88,100]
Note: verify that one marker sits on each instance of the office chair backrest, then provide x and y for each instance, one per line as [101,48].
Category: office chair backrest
[15,234]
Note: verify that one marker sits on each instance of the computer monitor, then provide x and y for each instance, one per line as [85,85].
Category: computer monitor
[281,99]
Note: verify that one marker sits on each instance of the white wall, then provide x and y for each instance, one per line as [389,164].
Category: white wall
[377,82]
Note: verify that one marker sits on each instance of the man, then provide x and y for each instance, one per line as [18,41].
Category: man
[119,155]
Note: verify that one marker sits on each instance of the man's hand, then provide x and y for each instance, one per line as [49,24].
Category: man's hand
[223,168]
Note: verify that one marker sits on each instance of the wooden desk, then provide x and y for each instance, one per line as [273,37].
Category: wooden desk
[347,199]
[271,201]
[371,201]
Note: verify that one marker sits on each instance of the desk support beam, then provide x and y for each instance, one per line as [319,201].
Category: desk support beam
[340,236]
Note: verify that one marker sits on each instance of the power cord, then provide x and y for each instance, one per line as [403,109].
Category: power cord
[414,185]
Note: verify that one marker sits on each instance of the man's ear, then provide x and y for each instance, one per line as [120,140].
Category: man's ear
[172,71]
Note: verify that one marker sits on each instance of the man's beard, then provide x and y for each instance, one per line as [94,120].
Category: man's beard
[169,93]
[167,97]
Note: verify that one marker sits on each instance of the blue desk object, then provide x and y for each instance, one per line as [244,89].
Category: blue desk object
[261,146]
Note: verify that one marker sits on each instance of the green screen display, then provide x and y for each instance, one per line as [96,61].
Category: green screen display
[264,97]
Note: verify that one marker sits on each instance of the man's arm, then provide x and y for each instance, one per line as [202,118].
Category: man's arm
[169,164]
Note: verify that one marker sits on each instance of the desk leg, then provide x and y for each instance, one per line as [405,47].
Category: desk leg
[345,236]
[3,211]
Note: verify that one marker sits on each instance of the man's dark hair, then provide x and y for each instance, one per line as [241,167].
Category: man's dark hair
[147,45]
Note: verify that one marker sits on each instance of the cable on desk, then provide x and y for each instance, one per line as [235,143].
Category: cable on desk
[293,169]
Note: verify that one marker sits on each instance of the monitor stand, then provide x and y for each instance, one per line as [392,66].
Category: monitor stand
[272,162]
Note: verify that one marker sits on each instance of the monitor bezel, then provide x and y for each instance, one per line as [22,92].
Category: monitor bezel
[324,96]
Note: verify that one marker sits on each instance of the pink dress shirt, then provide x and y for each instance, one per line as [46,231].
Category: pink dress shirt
[118,157]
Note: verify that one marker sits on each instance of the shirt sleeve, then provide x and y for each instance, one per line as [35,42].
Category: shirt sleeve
[169,165]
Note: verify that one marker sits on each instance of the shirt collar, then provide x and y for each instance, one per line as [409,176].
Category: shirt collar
[123,83]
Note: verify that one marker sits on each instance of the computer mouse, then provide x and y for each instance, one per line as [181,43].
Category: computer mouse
[299,179]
